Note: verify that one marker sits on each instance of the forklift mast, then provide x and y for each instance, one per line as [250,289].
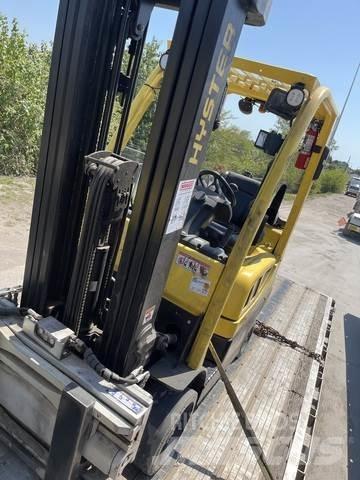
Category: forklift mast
[88,71]
[85,77]
[192,90]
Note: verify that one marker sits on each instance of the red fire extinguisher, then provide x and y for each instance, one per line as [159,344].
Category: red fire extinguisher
[307,147]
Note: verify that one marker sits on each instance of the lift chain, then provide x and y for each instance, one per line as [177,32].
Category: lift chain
[265,331]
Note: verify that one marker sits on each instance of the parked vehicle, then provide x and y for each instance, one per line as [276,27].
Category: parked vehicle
[353,187]
[353,225]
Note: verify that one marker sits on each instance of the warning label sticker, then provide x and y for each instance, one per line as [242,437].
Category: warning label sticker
[181,205]
[149,313]
[193,265]
[200,285]
[122,398]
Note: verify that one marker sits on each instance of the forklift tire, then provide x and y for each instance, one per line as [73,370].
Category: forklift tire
[165,426]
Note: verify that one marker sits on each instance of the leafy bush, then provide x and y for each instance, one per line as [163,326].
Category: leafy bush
[292,176]
[233,149]
[333,180]
[24,70]
[316,187]
[150,59]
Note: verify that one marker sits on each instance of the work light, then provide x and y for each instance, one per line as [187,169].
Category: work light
[246,106]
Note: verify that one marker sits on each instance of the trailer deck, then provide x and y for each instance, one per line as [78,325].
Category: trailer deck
[278,386]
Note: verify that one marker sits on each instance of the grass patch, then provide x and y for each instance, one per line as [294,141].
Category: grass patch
[4,181]
[16,189]
[289,197]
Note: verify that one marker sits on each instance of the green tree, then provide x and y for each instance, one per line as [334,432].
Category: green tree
[24,70]
[150,58]
[231,148]
[333,180]
[282,126]
[331,162]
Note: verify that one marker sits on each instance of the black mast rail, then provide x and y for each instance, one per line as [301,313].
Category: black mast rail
[88,49]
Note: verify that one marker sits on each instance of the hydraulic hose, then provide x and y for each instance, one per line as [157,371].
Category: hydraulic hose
[110,376]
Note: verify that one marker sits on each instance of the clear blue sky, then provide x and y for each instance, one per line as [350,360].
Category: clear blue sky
[319,37]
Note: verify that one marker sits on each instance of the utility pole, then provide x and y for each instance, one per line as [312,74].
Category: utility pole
[344,106]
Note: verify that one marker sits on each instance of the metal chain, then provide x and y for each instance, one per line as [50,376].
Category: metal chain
[265,331]
[11,294]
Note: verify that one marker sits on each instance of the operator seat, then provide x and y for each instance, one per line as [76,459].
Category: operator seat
[247,190]
[210,225]
[203,209]
[212,228]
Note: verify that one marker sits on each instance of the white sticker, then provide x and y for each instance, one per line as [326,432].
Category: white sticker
[149,313]
[200,285]
[181,205]
[192,264]
[122,398]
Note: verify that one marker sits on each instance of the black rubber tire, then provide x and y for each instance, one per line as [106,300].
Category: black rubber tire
[169,415]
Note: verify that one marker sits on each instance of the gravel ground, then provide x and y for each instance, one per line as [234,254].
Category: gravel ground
[319,257]
[16,196]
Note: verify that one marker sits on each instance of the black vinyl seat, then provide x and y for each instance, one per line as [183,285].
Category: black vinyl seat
[223,234]
[247,190]
[210,228]
[200,214]
[203,209]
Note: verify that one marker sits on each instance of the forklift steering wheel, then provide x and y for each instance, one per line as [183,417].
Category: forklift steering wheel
[214,181]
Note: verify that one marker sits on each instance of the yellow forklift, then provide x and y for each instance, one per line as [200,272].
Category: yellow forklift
[205,247]
[215,245]
[106,357]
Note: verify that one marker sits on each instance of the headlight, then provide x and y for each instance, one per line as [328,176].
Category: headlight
[295,97]
[163,60]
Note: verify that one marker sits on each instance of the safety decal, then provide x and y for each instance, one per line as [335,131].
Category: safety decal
[200,285]
[120,397]
[193,265]
[149,313]
[181,205]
